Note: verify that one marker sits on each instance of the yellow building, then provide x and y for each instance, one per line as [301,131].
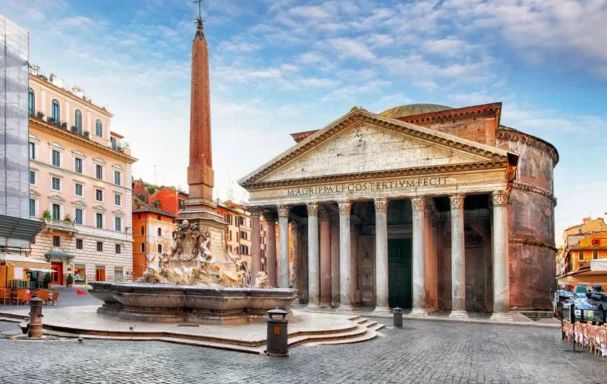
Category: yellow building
[238,232]
[590,248]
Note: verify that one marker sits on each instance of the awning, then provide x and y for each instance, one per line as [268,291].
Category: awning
[593,274]
[17,228]
[23,261]
[57,253]
[42,270]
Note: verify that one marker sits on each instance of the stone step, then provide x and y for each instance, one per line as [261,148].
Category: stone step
[377,327]
[327,337]
[368,335]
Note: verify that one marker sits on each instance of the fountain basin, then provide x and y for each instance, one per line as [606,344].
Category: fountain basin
[178,303]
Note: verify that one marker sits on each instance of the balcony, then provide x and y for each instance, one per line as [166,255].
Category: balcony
[60,226]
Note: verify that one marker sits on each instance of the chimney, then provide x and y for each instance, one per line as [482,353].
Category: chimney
[56,81]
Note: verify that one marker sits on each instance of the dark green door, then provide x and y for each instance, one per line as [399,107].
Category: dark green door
[400,273]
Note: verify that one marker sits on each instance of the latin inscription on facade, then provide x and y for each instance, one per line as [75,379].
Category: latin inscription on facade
[371,186]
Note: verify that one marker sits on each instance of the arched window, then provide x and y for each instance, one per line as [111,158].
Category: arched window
[78,121]
[159,248]
[98,128]
[159,231]
[31,103]
[142,230]
[56,112]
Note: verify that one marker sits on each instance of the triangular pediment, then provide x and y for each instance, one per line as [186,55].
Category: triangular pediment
[365,143]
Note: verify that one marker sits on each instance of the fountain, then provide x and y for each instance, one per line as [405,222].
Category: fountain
[201,282]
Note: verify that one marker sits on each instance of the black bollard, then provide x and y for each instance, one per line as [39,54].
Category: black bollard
[277,343]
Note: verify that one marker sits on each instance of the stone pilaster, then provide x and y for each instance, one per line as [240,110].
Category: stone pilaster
[255,243]
[458,258]
[345,257]
[334,260]
[325,257]
[313,258]
[419,274]
[283,224]
[501,285]
[270,246]
[381,256]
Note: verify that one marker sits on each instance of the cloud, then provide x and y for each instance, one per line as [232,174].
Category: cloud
[310,12]
[447,47]
[238,45]
[351,48]
[318,82]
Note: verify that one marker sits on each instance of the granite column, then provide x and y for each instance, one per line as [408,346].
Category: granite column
[419,274]
[458,258]
[501,285]
[313,257]
[283,225]
[345,257]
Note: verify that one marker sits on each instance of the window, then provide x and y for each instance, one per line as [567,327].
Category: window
[244,250]
[118,274]
[99,195]
[31,102]
[32,151]
[56,184]
[159,248]
[98,128]
[78,189]
[78,216]
[99,220]
[117,176]
[117,200]
[581,256]
[99,273]
[56,113]
[118,250]
[230,235]
[56,158]
[78,121]
[595,242]
[595,254]
[243,235]
[32,207]
[100,246]
[56,211]
[32,178]
[181,204]
[79,244]
[226,218]
[114,143]
[78,165]
[159,231]
[159,218]
[142,230]
[142,247]
[56,241]
[79,270]
[118,224]
[99,171]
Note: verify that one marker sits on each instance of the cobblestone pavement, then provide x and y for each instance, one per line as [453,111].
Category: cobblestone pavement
[422,352]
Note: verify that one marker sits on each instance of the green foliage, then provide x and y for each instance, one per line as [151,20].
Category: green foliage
[69,280]
[46,214]
[150,189]
[47,280]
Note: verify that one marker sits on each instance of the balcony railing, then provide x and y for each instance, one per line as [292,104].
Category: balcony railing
[60,225]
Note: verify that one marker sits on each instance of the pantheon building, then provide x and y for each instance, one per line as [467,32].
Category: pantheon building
[421,206]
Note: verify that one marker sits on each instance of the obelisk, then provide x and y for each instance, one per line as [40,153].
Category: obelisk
[199,207]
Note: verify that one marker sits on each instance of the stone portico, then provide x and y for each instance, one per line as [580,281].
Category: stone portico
[387,213]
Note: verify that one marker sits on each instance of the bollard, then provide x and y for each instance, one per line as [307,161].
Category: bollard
[277,343]
[398,317]
[35,328]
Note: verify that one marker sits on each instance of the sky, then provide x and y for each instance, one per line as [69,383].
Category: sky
[284,66]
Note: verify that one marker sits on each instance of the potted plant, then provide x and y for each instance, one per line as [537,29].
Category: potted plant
[64,125]
[47,280]
[67,218]
[69,280]
[87,134]
[74,129]
[40,115]
[50,120]
[46,214]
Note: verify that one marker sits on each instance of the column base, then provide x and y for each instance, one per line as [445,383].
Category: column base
[419,312]
[345,308]
[312,306]
[501,317]
[382,311]
[458,315]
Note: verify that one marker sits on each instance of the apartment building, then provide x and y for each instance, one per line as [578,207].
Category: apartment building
[80,184]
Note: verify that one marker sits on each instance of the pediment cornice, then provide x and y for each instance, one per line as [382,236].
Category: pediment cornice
[486,154]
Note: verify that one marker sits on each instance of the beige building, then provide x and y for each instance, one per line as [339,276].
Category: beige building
[238,231]
[80,185]
[421,206]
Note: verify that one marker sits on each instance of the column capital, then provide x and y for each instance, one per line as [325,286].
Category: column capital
[283,210]
[381,205]
[418,203]
[344,207]
[323,213]
[255,212]
[457,201]
[500,198]
[312,209]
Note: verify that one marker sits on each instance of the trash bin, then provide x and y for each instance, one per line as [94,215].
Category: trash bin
[398,317]
[277,343]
